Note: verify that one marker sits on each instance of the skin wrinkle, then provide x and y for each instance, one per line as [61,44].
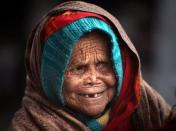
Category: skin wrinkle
[85,49]
[90,71]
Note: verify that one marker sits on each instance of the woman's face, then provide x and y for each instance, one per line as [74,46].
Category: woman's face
[89,83]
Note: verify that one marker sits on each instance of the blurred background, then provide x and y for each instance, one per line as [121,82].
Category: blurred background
[151,25]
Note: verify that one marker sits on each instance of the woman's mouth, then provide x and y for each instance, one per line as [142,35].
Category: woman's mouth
[93,95]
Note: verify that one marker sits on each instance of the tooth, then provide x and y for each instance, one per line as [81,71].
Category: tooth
[95,95]
[86,96]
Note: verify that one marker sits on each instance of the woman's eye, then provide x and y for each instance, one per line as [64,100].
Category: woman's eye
[103,66]
[79,69]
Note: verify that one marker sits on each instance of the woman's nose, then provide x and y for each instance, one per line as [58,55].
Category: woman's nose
[91,76]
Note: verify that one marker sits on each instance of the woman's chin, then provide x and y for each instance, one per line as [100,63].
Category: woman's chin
[93,111]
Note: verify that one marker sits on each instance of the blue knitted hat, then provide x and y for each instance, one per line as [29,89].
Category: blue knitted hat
[58,49]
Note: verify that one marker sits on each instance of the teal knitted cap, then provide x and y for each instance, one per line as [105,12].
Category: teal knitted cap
[57,51]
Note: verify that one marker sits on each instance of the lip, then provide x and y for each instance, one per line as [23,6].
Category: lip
[92,90]
[94,95]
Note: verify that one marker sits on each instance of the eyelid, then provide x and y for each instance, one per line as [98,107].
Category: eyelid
[75,69]
[103,63]
[73,66]
[80,66]
[104,66]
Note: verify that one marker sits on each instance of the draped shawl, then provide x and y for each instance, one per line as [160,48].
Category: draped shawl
[138,106]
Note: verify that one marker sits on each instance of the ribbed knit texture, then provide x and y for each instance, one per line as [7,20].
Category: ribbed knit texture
[57,51]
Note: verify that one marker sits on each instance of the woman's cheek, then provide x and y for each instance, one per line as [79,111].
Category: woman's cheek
[110,80]
[72,83]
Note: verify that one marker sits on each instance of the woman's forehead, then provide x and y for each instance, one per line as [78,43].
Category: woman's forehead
[91,45]
[91,41]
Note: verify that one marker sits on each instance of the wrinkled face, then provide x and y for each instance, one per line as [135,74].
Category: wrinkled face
[89,83]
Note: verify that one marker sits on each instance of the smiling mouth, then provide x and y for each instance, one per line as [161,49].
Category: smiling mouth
[93,95]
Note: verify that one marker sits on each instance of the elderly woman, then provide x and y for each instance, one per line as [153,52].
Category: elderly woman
[83,73]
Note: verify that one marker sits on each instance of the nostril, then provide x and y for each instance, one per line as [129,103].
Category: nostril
[90,79]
